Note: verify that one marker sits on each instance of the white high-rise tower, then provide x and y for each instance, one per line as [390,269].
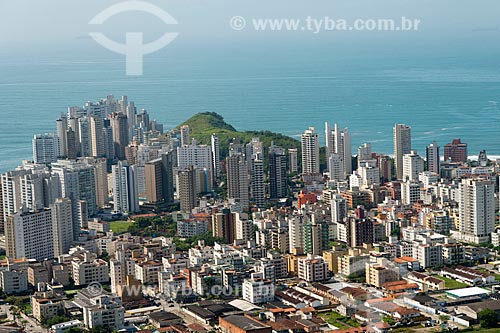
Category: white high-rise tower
[215,155]
[125,193]
[477,209]
[310,151]
[338,151]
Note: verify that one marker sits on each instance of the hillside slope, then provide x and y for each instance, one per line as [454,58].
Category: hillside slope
[203,125]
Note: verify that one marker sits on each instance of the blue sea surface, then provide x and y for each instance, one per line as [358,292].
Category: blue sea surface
[283,88]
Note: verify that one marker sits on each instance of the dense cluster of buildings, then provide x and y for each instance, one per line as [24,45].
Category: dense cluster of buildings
[366,235]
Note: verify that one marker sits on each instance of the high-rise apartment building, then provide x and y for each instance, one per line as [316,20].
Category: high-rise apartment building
[455,151]
[244,229]
[125,193]
[97,136]
[338,150]
[293,160]
[410,192]
[143,120]
[158,174]
[364,153]
[119,124]
[237,180]
[257,180]
[316,236]
[477,209]
[402,146]
[224,225]
[413,165]
[46,148]
[359,231]
[278,175]
[215,156]
[253,148]
[310,151]
[61,128]
[296,232]
[29,235]
[187,189]
[185,137]
[101,179]
[85,136]
[432,154]
[72,144]
[195,155]
[28,189]
[62,226]
[77,182]
[131,112]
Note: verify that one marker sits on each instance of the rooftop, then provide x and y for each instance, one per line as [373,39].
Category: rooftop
[244,323]
[467,292]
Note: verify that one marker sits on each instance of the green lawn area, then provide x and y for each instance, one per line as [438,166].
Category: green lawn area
[450,283]
[338,320]
[119,227]
[480,329]
[71,292]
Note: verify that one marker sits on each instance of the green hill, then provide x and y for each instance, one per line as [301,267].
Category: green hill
[203,125]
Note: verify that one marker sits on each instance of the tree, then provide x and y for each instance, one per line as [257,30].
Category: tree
[396,232]
[74,330]
[48,322]
[444,318]
[98,329]
[388,320]
[487,318]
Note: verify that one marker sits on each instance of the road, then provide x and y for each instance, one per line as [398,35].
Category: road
[30,325]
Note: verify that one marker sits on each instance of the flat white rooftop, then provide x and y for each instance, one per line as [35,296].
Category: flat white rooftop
[467,292]
[244,305]
[143,310]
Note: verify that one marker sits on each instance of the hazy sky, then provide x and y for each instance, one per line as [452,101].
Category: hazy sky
[64,23]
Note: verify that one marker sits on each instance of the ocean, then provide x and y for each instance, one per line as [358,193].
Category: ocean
[452,92]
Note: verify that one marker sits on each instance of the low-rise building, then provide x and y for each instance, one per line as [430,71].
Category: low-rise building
[13,281]
[46,304]
[37,274]
[425,282]
[378,274]
[242,324]
[453,254]
[61,274]
[467,275]
[472,310]
[353,263]
[312,268]
[100,309]
[257,290]
[99,226]
[191,227]
[87,270]
[147,271]
[63,327]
